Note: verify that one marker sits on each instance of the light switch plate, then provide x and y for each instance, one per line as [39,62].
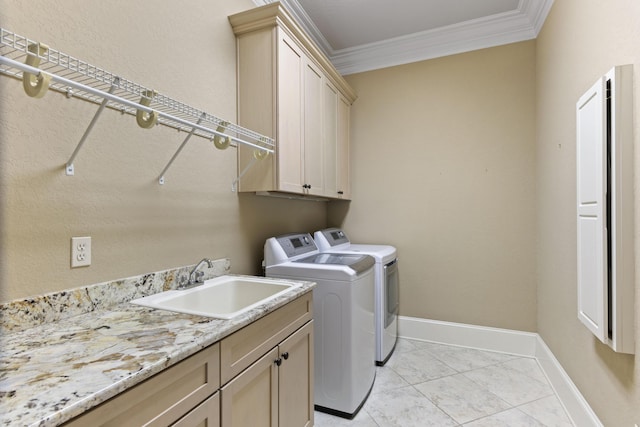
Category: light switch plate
[80,252]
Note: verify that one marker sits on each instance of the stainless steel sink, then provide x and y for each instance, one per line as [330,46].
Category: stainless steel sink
[223,297]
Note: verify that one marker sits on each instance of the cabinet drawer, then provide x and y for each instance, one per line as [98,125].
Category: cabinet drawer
[163,398]
[247,345]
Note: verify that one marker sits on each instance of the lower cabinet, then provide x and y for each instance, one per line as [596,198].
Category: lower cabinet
[251,398]
[261,375]
[295,377]
[276,390]
[163,399]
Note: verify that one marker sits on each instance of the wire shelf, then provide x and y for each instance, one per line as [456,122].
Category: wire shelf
[78,79]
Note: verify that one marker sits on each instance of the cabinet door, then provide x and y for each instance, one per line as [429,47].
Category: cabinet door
[591,191]
[313,149]
[330,136]
[291,65]
[251,398]
[342,150]
[336,143]
[206,414]
[256,73]
[296,379]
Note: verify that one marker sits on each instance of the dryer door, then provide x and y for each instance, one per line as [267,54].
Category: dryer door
[392,292]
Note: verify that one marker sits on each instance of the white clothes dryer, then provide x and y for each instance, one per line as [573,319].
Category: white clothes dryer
[387,284]
[344,366]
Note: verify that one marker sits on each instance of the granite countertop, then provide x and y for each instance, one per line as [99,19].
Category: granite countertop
[57,370]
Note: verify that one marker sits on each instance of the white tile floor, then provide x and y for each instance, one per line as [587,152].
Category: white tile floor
[427,384]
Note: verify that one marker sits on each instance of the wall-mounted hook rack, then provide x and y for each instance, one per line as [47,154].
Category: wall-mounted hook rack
[41,68]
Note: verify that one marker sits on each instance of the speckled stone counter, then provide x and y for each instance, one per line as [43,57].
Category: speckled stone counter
[54,370]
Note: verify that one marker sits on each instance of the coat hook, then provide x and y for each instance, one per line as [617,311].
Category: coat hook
[221,142]
[147,120]
[36,86]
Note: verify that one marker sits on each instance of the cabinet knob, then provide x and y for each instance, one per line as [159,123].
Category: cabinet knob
[278,361]
[285,355]
[340,192]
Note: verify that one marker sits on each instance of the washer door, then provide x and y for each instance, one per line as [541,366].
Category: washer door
[357,263]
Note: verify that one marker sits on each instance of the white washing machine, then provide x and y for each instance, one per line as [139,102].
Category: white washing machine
[387,284]
[344,342]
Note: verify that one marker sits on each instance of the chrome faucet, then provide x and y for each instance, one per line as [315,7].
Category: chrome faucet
[197,277]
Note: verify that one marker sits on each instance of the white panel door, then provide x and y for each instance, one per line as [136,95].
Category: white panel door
[591,198]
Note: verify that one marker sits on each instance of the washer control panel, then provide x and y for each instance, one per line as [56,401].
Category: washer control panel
[296,244]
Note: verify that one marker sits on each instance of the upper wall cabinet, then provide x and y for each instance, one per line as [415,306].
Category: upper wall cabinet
[605,209]
[289,90]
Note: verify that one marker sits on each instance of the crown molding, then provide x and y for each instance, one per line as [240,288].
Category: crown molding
[523,23]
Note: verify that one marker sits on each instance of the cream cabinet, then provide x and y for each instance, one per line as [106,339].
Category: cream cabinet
[300,101]
[336,143]
[276,390]
[265,370]
[295,377]
[206,414]
[166,398]
[269,368]
[289,90]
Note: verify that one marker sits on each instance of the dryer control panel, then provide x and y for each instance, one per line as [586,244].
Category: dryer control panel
[334,236]
[331,239]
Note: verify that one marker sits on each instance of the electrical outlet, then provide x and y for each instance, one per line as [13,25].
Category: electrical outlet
[80,252]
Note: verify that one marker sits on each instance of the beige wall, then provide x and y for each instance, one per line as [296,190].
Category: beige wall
[580,41]
[443,163]
[185,50]
[465,163]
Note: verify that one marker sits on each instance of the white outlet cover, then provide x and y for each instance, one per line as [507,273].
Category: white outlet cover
[80,252]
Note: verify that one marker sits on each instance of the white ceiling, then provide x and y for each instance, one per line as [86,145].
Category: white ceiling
[362,35]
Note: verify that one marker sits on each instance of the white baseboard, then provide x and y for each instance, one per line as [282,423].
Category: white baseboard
[525,344]
[494,339]
[575,404]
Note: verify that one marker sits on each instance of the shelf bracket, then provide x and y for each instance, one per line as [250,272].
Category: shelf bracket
[257,155]
[69,169]
[161,179]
